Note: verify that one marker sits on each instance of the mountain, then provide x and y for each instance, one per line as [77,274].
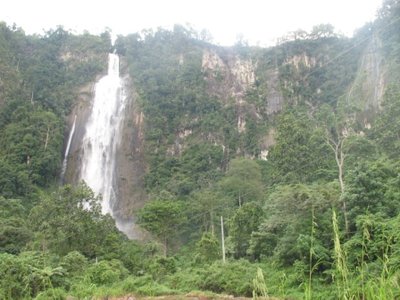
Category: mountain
[295,147]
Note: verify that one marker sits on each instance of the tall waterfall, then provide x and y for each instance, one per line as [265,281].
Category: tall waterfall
[65,161]
[102,135]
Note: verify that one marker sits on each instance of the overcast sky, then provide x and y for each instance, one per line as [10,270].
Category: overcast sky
[259,21]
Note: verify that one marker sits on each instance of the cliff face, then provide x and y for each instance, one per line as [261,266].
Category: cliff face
[130,164]
[185,95]
[81,110]
[367,90]
[227,78]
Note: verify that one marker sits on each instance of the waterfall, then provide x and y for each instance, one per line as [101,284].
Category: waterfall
[102,135]
[65,161]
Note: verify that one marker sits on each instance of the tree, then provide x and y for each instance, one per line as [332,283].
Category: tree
[163,218]
[14,231]
[300,154]
[386,128]
[70,219]
[339,131]
[32,143]
[242,182]
[373,187]
[289,213]
[323,31]
[207,248]
[243,223]
[207,204]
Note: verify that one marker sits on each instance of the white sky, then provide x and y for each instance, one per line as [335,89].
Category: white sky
[259,21]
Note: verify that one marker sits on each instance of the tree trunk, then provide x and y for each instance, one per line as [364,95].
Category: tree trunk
[165,246]
[47,138]
[337,147]
[212,223]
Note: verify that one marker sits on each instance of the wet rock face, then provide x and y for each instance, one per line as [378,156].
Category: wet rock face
[81,110]
[130,161]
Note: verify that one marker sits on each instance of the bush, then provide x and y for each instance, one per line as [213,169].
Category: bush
[28,274]
[146,286]
[162,266]
[12,276]
[186,280]
[54,294]
[233,277]
[106,272]
[74,262]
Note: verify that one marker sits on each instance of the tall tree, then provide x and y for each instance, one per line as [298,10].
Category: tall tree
[163,218]
[242,182]
[386,128]
[337,132]
[300,154]
[70,219]
[243,223]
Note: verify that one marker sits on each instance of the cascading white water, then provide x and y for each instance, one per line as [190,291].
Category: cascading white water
[65,161]
[102,135]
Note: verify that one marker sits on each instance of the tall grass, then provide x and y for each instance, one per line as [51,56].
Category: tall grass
[359,284]
[312,267]
[341,269]
[259,286]
[383,286]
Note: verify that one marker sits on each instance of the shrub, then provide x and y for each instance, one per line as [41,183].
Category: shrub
[54,294]
[162,266]
[232,277]
[146,286]
[106,272]
[74,262]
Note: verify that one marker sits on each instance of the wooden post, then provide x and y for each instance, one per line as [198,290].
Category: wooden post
[223,240]
[32,98]
[47,138]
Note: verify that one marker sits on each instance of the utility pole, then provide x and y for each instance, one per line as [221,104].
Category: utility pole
[223,240]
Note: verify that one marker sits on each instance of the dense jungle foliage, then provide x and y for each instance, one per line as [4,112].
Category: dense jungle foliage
[319,219]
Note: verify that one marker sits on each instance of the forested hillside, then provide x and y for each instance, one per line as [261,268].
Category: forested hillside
[294,147]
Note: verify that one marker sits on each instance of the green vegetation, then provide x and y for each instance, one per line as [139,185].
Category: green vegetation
[319,219]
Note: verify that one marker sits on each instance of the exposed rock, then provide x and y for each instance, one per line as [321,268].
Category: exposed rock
[177,147]
[81,110]
[264,154]
[229,78]
[130,165]
[243,71]
[241,124]
[274,95]
[211,61]
[267,142]
[367,90]
[302,60]
[184,133]
[373,68]
[181,59]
